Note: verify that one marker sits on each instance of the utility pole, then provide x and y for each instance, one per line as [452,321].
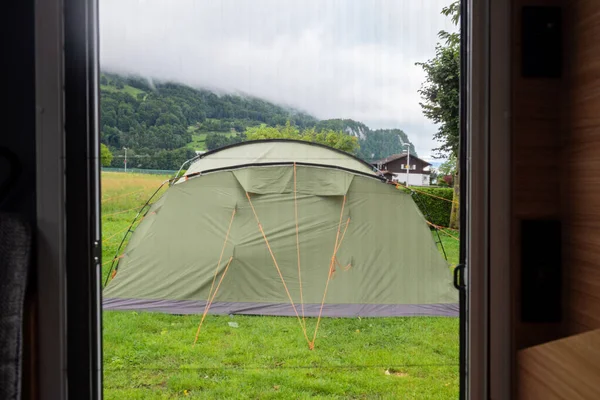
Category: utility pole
[125,148]
[407,161]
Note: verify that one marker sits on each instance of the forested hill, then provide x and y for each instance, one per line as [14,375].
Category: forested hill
[162,124]
[374,144]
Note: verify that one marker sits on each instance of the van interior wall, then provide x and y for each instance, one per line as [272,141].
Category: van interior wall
[581,155]
[556,166]
[556,175]
[535,181]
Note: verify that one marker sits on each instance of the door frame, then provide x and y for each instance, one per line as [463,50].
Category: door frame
[487,190]
[486,209]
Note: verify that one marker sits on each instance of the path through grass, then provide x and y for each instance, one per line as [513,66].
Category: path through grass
[150,355]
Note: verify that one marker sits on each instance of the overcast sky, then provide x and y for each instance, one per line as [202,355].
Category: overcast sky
[333,59]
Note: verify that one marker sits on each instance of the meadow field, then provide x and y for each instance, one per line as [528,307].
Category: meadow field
[150,355]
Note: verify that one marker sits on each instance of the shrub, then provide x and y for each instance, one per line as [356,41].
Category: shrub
[106,156]
[181,173]
[435,209]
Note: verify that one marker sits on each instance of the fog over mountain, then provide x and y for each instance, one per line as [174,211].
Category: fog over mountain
[349,59]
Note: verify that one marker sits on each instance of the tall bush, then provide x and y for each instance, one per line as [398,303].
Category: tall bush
[434,203]
[106,156]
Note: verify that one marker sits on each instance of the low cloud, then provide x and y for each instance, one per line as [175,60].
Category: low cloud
[333,59]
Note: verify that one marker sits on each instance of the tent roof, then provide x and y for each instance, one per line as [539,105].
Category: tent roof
[277,151]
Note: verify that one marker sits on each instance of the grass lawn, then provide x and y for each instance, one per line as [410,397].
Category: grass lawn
[126,89]
[449,245]
[150,356]
[198,139]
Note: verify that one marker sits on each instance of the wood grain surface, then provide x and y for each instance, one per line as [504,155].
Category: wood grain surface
[567,369]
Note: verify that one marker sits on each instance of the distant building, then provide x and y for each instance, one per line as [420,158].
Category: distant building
[394,169]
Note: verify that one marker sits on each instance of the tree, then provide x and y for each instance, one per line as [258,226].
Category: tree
[452,11]
[214,141]
[217,140]
[440,94]
[448,167]
[336,139]
[447,172]
[433,176]
[105,155]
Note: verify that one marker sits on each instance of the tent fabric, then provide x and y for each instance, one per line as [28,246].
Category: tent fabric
[389,264]
[270,180]
[277,151]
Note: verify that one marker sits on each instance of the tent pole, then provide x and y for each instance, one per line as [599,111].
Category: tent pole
[182,165]
[437,232]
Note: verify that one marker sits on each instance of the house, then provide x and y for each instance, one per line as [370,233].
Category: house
[394,169]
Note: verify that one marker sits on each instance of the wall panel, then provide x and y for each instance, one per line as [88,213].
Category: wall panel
[581,192]
[536,113]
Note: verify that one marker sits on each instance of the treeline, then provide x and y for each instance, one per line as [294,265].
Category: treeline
[215,140]
[148,159]
[156,120]
[335,139]
[374,144]
[381,143]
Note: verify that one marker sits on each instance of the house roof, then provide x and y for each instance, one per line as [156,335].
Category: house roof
[395,157]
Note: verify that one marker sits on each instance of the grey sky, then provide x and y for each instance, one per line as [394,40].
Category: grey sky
[334,59]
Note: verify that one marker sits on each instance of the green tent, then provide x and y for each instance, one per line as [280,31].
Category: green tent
[279,227]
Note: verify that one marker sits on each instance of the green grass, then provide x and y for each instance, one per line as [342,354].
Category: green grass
[450,245]
[198,139]
[150,356]
[126,89]
[197,142]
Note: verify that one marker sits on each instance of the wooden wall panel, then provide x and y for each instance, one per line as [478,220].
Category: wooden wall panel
[581,192]
[536,117]
[556,165]
[565,369]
